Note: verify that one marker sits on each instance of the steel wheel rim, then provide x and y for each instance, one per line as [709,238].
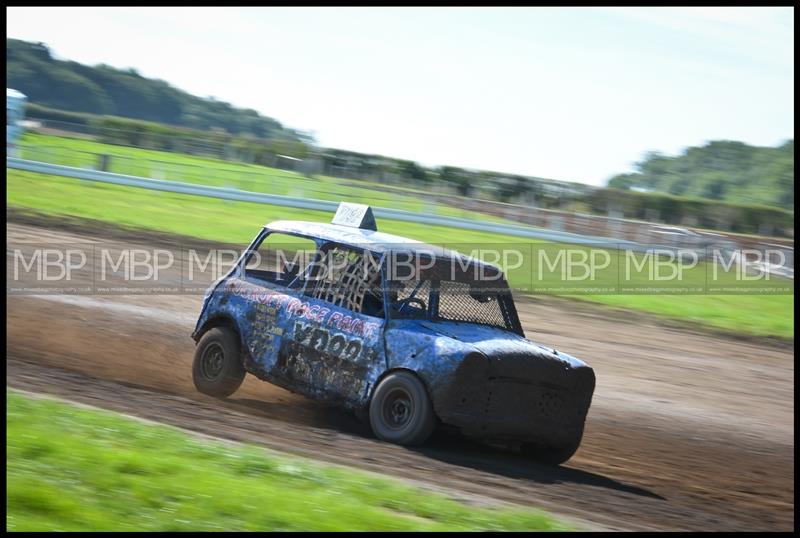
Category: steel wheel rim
[397,409]
[212,361]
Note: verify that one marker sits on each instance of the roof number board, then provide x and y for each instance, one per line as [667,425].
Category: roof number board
[355,216]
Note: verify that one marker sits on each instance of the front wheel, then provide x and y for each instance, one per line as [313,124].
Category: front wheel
[400,411]
[217,369]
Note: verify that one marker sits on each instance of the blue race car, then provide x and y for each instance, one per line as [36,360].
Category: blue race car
[404,333]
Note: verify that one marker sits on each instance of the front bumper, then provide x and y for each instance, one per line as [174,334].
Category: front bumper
[520,398]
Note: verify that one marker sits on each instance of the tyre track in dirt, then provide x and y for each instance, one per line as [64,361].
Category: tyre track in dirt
[687,430]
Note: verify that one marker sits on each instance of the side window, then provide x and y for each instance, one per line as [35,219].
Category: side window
[348,278]
[281,259]
[409,299]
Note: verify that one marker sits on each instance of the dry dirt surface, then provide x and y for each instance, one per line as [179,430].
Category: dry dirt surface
[688,430]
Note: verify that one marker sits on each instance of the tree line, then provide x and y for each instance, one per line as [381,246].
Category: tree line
[720,170]
[105,90]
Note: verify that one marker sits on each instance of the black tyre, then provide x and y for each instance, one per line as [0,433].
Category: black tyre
[400,411]
[217,369]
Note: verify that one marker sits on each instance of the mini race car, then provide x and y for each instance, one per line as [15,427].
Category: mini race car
[403,333]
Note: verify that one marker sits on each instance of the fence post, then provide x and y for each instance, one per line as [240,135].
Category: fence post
[105,162]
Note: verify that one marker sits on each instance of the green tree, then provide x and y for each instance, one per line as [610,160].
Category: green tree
[102,89]
[458,178]
[720,170]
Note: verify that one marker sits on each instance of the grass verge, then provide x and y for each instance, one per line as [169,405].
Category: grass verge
[220,173]
[75,469]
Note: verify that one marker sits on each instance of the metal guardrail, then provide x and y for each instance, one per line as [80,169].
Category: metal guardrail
[324,205]
[250,178]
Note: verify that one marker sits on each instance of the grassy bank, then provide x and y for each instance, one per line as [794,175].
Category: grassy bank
[220,173]
[73,469]
[237,222]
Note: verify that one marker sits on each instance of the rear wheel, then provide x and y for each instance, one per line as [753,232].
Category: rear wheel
[217,369]
[400,411]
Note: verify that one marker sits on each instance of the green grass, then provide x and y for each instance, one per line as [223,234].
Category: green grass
[237,222]
[196,216]
[216,172]
[756,315]
[76,469]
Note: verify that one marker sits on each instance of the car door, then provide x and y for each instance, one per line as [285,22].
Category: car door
[268,285]
[333,347]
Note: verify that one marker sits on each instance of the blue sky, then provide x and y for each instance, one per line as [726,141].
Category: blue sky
[577,94]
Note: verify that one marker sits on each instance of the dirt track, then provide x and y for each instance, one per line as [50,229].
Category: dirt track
[687,430]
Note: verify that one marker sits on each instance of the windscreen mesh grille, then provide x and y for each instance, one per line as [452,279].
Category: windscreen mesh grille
[459,302]
[347,276]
